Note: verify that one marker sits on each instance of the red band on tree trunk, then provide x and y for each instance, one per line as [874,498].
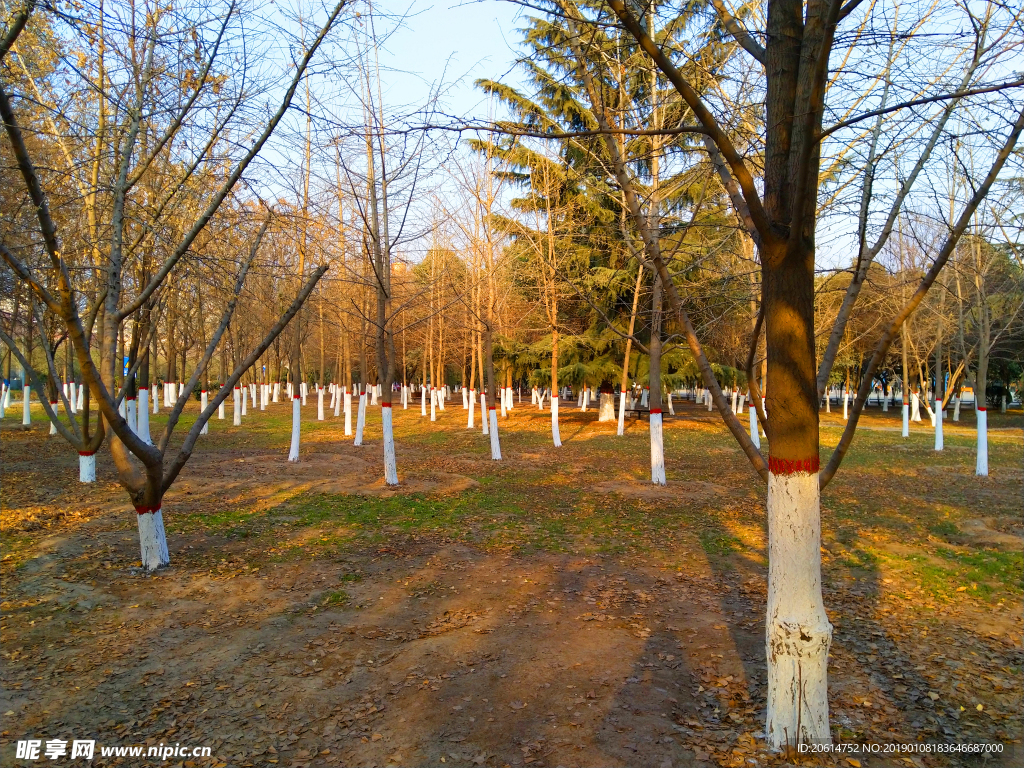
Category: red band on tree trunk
[385,405]
[87,453]
[147,510]
[143,388]
[982,409]
[53,402]
[295,397]
[491,408]
[655,410]
[792,466]
[131,398]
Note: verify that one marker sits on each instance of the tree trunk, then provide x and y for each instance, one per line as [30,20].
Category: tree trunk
[798,633]
[654,380]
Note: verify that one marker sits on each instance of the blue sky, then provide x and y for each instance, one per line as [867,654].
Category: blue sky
[453,42]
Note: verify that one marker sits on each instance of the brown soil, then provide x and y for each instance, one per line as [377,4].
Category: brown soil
[414,650]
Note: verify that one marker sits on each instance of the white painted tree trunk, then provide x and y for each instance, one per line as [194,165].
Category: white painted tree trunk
[672,410]
[204,400]
[152,539]
[495,442]
[828,402]
[657,449]
[846,405]
[606,407]
[755,435]
[236,407]
[337,401]
[743,400]
[373,394]
[423,401]
[220,409]
[433,404]
[73,397]
[465,399]
[293,449]
[26,405]
[53,421]
[277,392]
[885,402]
[540,401]
[503,397]
[264,396]
[320,405]
[956,408]
[931,413]
[81,399]
[797,631]
[442,396]
[556,436]
[622,413]
[643,397]
[906,419]
[915,407]
[305,392]
[132,413]
[735,395]
[143,425]
[938,424]
[483,412]
[360,419]
[390,462]
[1002,404]
[86,467]
[708,400]
[245,400]
[347,399]
[472,405]
[981,467]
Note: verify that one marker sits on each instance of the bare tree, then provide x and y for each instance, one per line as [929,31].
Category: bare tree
[158,100]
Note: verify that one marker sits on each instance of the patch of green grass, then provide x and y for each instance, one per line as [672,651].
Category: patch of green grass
[1006,568]
[334,599]
[719,544]
[944,528]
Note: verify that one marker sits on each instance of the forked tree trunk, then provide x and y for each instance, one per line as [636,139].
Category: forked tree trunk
[152,537]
